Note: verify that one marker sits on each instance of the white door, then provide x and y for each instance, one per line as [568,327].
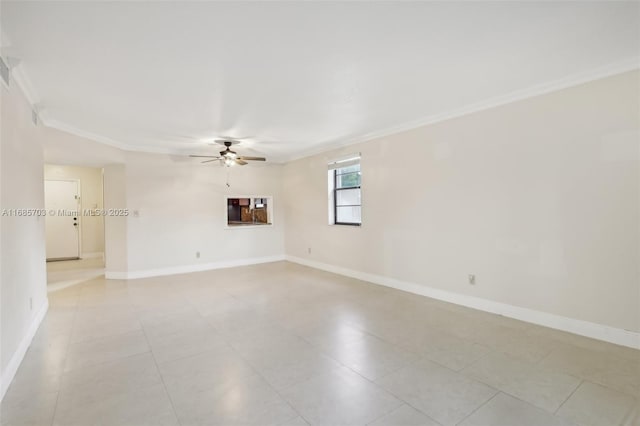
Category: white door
[63,225]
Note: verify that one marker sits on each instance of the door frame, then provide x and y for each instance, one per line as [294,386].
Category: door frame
[79,202]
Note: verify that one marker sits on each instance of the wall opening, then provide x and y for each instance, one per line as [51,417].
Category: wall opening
[74,223]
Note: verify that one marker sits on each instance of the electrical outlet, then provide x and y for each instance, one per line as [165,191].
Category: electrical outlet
[197,255]
[31,303]
[472,279]
[309,250]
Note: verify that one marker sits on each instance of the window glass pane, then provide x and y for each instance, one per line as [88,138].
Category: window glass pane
[348,214]
[348,169]
[348,180]
[348,197]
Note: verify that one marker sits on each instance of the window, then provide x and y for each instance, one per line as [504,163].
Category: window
[249,211]
[344,184]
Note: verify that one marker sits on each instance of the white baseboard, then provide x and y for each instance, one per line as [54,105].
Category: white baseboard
[115,275]
[583,328]
[93,255]
[18,355]
[146,273]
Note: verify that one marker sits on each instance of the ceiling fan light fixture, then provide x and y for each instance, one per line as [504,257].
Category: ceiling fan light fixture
[228,157]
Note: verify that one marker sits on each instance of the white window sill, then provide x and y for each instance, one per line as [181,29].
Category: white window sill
[267,225]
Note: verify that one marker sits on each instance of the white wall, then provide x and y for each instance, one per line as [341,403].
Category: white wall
[115,237]
[23,276]
[182,210]
[538,198]
[181,205]
[91,227]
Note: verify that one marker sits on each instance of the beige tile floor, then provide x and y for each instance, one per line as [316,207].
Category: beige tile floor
[287,345]
[65,273]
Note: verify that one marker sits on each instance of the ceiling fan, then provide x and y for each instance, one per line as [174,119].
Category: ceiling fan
[228,157]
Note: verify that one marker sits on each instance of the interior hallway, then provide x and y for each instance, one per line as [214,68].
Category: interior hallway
[284,344]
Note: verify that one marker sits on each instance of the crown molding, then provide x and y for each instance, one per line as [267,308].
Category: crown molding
[29,91]
[64,127]
[20,76]
[59,125]
[540,89]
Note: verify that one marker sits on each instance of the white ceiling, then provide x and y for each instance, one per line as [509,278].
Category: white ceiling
[296,77]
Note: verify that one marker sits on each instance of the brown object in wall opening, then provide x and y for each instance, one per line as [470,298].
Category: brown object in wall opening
[248,211]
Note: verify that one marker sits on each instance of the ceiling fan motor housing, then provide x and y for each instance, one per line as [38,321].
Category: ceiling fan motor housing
[228,152]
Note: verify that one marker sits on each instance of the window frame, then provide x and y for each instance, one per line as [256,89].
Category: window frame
[335,190]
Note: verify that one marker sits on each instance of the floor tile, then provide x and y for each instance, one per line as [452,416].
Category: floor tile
[84,331]
[269,346]
[105,349]
[37,410]
[404,415]
[91,383]
[289,345]
[141,406]
[366,354]
[608,369]
[544,389]
[247,400]
[185,343]
[451,351]
[505,410]
[444,395]
[204,371]
[296,370]
[46,359]
[241,321]
[340,397]
[298,421]
[26,384]
[173,323]
[528,347]
[594,405]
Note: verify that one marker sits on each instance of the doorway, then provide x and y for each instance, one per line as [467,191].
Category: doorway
[74,224]
[62,202]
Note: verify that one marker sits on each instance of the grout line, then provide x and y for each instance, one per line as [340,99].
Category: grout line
[164,385]
[322,353]
[480,406]
[398,407]
[225,339]
[264,379]
[568,397]
[373,382]
[266,310]
[63,373]
[535,367]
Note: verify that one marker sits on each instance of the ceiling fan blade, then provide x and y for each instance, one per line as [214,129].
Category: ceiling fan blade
[204,156]
[239,161]
[252,158]
[208,161]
